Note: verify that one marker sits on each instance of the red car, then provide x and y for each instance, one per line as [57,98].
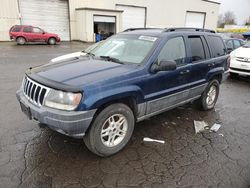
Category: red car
[24,33]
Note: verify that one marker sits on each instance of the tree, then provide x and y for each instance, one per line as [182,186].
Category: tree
[228,18]
[220,22]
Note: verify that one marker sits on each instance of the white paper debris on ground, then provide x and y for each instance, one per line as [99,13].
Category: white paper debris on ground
[215,127]
[221,135]
[200,126]
[153,140]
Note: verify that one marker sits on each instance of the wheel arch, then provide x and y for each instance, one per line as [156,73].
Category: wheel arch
[216,74]
[22,37]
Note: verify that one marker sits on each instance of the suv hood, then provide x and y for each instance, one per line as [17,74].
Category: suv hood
[79,72]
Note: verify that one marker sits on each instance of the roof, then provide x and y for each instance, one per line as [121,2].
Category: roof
[156,32]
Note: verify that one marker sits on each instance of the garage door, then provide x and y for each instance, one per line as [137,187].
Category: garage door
[50,15]
[195,19]
[132,17]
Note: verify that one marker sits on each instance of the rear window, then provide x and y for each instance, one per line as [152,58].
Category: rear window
[216,46]
[16,29]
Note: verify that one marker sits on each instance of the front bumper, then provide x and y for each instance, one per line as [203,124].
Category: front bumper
[239,67]
[70,123]
[239,71]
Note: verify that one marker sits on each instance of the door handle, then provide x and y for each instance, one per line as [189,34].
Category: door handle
[185,72]
[210,64]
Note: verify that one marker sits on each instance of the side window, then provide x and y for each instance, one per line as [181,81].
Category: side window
[237,44]
[16,29]
[27,30]
[37,30]
[217,46]
[197,48]
[174,50]
[230,44]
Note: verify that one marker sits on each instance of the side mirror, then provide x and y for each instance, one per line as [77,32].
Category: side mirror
[229,50]
[164,65]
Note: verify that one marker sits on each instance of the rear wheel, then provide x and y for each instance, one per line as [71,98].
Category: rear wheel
[111,130]
[20,40]
[52,41]
[209,97]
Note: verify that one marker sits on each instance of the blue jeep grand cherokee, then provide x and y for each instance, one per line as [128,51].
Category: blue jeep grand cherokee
[131,76]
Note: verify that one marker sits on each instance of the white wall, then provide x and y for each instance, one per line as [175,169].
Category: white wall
[9,16]
[160,13]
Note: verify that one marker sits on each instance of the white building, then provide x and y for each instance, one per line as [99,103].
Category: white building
[80,19]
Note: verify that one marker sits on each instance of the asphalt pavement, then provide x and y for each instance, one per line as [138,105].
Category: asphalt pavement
[41,158]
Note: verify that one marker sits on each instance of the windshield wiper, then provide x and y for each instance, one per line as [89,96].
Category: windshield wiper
[113,59]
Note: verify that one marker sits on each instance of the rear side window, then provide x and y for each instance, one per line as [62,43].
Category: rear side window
[16,29]
[230,44]
[197,48]
[237,44]
[216,46]
[27,30]
[174,50]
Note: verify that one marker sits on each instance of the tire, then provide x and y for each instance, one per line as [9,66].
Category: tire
[21,40]
[110,143]
[233,75]
[209,97]
[52,41]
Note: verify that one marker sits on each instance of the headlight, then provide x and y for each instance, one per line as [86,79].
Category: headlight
[62,100]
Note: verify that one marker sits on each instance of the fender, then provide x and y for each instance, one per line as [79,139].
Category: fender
[218,71]
[94,101]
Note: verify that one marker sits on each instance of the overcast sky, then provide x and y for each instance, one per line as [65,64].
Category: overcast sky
[241,9]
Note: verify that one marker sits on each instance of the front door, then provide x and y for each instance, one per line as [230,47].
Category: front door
[38,34]
[166,89]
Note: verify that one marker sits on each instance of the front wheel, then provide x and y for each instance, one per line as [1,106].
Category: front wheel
[111,130]
[209,97]
[52,41]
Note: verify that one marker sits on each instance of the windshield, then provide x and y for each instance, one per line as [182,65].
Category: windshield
[247,45]
[92,47]
[125,49]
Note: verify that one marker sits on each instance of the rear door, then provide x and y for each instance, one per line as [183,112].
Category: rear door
[218,51]
[28,33]
[201,63]
[166,89]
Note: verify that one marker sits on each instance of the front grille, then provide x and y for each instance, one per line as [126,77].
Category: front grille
[243,59]
[34,91]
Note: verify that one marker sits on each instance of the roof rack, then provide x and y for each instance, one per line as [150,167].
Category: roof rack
[139,28]
[188,29]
